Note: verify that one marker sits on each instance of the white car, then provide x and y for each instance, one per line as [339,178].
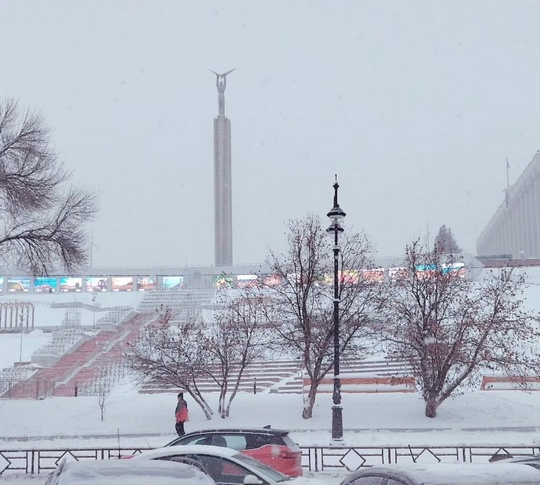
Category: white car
[531,460]
[225,465]
[121,472]
[444,474]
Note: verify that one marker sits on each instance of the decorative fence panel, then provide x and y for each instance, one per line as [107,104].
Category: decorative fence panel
[314,459]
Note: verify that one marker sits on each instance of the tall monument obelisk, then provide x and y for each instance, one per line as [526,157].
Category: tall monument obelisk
[222,179]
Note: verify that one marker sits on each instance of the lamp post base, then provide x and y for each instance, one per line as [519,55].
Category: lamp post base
[337,423]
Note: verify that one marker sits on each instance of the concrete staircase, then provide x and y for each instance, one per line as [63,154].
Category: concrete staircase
[80,368]
[260,376]
[62,370]
[113,345]
[357,375]
[288,377]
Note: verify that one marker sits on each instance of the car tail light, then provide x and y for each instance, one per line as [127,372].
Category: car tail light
[126,457]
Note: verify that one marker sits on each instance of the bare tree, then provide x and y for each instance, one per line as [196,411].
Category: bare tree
[171,355]
[234,341]
[301,313]
[42,217]
[104,384]
[449,328]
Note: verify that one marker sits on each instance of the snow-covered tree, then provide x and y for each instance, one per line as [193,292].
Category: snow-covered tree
[233,341]
[301,309]
[221,349]
[170,355]
[451,329]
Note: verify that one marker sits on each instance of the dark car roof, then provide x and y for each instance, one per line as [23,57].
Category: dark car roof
[278,432]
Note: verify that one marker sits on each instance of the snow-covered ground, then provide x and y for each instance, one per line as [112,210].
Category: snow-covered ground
[475,418]
[489,418]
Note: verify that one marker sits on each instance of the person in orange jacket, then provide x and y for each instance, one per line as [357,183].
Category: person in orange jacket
[181,414]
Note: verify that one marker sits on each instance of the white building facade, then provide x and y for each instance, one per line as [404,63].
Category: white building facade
[514,230]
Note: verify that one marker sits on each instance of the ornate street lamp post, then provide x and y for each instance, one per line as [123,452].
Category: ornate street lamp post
[94,310]
[336,214]
[21,316]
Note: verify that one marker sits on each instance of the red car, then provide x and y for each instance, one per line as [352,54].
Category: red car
[273,447]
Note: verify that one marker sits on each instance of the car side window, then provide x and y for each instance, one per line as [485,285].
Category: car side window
[256,441]
[236,442]
[218,440]
[195,440]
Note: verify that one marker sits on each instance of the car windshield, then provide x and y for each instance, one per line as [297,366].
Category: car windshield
[262,468]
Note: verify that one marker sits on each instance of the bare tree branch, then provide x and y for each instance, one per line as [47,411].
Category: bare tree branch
[42,217]
[301,312]
[450,328]
[171,355]
[233,341]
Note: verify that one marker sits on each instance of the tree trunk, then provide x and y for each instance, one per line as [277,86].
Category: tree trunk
[203,404]
[222,397]
[431,407]
[195,390]
[309,402]
[234,392]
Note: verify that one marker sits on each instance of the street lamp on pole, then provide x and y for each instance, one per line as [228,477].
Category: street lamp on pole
[94,311]
[21,316]
[336,214]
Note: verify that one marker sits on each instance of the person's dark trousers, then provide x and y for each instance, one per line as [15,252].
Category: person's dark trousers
[180,428]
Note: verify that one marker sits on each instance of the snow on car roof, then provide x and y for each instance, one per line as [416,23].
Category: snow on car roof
[240,430]
[460,473]
[122,472]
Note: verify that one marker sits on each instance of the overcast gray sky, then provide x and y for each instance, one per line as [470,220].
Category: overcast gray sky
[415,105]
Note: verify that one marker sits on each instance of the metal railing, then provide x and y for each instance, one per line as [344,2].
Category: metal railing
[25,389]
[314,459]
